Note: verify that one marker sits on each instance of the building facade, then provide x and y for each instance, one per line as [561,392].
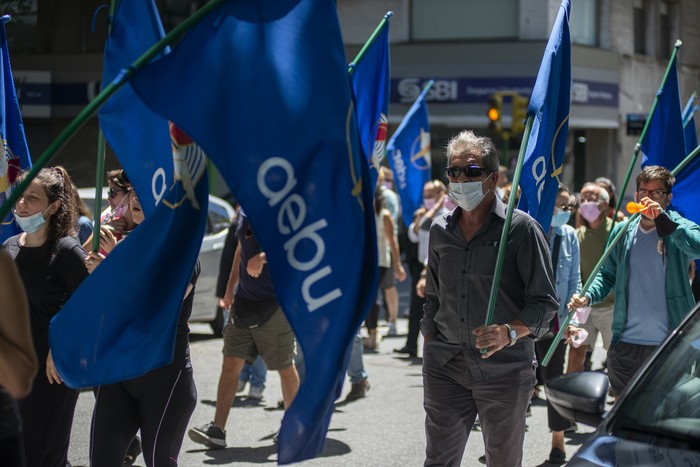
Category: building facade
[471,48]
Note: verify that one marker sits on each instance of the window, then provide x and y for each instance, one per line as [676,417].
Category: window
[665,40]
[457,19]
[584,23]
[21,31]
[639,36]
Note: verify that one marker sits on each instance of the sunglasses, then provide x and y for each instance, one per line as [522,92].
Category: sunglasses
[471,171]
[111,193]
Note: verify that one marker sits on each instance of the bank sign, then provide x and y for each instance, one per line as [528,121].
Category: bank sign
[477,90]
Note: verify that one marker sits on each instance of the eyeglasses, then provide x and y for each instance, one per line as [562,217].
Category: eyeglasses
[653,194]
[471,171]
[564,207]
[111,193]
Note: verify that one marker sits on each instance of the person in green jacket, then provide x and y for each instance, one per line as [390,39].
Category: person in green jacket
[648,271]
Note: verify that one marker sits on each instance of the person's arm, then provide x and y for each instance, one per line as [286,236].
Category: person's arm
[255,264]
[232,279]
[18,362]
[685,235]
[432,300]
[399,271]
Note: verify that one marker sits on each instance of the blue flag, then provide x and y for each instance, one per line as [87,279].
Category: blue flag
[689,128]
[549,110]
[122,320]
[15,153]
[138,136]
[370,86]
[664,141]
[263,87]
[409,155]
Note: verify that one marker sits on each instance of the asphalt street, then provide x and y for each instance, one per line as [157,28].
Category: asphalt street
[383,429]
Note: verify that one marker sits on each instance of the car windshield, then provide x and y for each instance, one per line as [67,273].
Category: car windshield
[664,406]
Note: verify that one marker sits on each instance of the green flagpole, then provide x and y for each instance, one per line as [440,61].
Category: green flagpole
[123,77]
[606,253]
[506,226]
[100,161]
[638,146]
[377,30]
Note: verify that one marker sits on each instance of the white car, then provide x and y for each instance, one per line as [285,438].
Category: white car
[204,309]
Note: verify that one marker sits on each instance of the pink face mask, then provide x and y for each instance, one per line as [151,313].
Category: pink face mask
[589,211]
[449,204]
[429,203]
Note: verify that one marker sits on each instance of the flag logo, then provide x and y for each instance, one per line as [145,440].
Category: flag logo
[420,151]
[189,162]
[380,140]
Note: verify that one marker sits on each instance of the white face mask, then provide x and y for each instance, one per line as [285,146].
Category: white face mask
[31,224]
[467,195]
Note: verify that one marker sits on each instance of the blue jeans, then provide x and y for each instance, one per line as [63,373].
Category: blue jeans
[356,370]
[255,373]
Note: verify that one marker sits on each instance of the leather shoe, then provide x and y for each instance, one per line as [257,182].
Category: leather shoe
[557,456]
[357,391]
[411,353]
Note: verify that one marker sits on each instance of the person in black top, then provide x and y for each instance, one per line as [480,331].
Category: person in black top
[159,403]
[50,263]
[17,360]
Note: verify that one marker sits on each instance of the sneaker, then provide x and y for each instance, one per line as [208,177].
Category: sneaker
[256,392]
[357,391]
[133,452]
[573,428]
[241,386]
[557,457]
[209,435]
[477,424]
[392,330]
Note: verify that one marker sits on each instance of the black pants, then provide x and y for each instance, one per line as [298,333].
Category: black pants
[555,368]
[160,403]
[373,315]
[415,314]
[624,360]
[12,451]
[47,417]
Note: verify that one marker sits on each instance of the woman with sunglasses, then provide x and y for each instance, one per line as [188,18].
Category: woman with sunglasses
[50,262]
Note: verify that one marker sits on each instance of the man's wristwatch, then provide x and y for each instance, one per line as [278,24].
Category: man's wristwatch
[512,334]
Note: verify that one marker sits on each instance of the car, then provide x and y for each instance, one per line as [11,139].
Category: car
[655,421]
[205,308]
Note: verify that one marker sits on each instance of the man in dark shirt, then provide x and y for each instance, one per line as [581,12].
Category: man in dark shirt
[459,381]
[257,327]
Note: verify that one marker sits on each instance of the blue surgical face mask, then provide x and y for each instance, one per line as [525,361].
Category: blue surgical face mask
[31,224]
[560,217]
[467,195]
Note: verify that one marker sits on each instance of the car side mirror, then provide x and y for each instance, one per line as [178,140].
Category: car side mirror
[579,396]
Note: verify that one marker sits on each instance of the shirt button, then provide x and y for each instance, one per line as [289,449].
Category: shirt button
[462,320]
[464,271]
[464,296]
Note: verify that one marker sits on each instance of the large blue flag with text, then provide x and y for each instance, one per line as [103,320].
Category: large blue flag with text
[664,141]
[122,320]
[263,87]
[15,153]
[138,136]
[370,85]
[689,129]
[549,110]
[409,154]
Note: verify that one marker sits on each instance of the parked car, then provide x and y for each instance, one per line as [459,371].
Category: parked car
[204,309]
[656,420]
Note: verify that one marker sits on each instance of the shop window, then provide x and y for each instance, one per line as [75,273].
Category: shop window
[584,22]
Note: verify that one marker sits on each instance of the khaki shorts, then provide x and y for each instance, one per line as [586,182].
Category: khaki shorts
[600,320]
[273,341]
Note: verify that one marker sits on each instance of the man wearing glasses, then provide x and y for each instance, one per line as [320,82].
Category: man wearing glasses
[459,380]
[648,270]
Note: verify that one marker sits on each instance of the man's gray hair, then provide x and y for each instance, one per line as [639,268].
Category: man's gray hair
[602,192]
[467,143]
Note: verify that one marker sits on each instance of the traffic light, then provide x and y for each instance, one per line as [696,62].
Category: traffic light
[520,104]
[494,112]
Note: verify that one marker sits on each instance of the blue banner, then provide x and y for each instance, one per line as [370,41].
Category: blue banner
[370,86]
[549,110]
[409,154]
[122,320]
[15,153]
[263,87]
[664,141]
[138,136]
